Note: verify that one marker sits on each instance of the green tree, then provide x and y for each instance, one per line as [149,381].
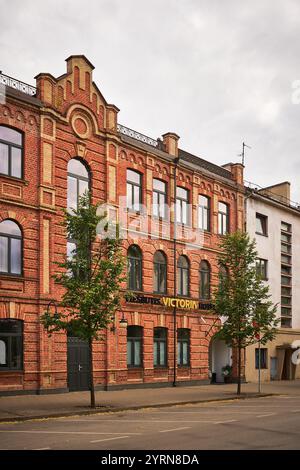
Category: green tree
[91,278]
[242,298]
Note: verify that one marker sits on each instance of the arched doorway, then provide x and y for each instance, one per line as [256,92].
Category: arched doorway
[220,355]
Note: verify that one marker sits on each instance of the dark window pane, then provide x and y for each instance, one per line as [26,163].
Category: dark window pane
[16,162]
[15,256]
[4,254]
[155,353]
[10,135]
[16,352]
[8,326]
[4,159]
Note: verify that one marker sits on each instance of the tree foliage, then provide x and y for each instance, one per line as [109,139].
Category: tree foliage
[242,297]
[91,276]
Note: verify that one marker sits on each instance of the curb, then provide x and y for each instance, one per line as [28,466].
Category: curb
[131,408]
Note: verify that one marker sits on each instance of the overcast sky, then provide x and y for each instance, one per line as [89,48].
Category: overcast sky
[215,72]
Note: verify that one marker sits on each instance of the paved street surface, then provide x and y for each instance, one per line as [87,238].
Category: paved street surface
[258,423]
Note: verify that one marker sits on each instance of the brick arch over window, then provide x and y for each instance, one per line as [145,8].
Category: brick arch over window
[12,310]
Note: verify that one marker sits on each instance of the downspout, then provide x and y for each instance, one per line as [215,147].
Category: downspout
[176,161]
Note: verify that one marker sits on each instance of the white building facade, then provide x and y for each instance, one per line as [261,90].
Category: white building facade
[275,224]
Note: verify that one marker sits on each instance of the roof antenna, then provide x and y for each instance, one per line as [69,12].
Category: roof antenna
[243,153]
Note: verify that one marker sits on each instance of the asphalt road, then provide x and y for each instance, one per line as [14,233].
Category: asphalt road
[263,423]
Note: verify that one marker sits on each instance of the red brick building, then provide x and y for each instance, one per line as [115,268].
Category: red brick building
[57,140]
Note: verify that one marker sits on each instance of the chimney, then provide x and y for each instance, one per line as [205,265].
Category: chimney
[237,171]
[170,141]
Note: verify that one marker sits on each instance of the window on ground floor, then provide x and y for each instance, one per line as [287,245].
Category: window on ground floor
[160,347]
[183,347]
[134,346]
[11,344]
[263,353]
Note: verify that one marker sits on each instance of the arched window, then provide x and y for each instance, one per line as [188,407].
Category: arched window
[160,273]
[134,346]
[11,149]
[134,259]
[78,182]
[183,276]
[10,248]
[204,280]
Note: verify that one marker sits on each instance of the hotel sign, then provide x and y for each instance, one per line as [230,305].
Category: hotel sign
[171,302]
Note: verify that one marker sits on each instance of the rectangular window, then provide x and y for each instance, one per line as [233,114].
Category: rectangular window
[262,268]
[286,270]
[286,227]
[286,322]
[261,353]
[134,357]
[223,218]
[286,291]
[261,224]
[159,199]
[286,259]
[204,213]
[285,281]
[182,205]
[286,238]
[134,190]
[286,311]
[285,248]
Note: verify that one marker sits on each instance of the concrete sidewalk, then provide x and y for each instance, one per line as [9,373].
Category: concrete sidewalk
[19,408]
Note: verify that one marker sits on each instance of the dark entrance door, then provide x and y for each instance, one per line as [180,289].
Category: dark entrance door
[78,364]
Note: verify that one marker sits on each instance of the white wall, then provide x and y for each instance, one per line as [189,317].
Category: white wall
[269,248]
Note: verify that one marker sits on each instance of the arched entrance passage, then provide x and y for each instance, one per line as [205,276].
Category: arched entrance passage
[220,355]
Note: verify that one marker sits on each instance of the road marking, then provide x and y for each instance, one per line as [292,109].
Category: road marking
[70,432]
[224,422]
[266,414]
[110,439]
[176,429]
[143,421]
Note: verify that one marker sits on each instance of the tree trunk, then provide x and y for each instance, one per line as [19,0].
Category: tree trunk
[239,369]
[92,387]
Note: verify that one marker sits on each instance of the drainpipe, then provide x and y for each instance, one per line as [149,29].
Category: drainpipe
[176,161]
